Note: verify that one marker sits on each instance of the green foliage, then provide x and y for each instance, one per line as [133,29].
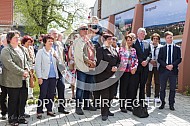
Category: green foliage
[187,92]
[38,15]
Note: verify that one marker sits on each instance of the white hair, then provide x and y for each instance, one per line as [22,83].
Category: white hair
[51,30]
[141,30]
[3,37]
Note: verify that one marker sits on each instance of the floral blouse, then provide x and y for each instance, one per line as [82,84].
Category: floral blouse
[128,59]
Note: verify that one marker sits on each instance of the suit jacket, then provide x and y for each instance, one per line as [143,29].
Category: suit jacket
[176,58]
[113,60]
[142,56]
[13,67]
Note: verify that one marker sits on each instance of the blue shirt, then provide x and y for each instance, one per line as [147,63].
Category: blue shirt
[52,73]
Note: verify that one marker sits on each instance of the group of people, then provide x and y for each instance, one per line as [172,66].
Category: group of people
[99,68]
[100,65]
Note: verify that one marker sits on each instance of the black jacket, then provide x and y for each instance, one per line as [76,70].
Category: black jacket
[176,58]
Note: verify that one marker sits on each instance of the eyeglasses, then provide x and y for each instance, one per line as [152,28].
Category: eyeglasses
[83,29]
[155,38]
[114,39]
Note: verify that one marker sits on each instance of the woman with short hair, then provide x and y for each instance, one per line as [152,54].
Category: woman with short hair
[46,71]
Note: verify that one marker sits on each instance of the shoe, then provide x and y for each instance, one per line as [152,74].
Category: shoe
[39,116]
[130,109]
[104,118]
[172,107]
[14,124]
[64,112]
[110,114]
[3,117]
[147,99]
[22,121]
[115,97]
[157,100]
[79,111]
[51,114]
[91,108]
[26,115]
[124,110]
[162,105]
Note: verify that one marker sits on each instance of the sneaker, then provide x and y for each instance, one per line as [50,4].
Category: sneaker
[157,100]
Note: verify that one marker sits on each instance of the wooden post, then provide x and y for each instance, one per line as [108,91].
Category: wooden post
[184,69]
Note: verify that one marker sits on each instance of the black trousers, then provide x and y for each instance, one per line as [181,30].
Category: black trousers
[3,99]
[141,79]
[17,98]
[61,94]
[47,91]
[163,83]
[106,97]
[127,89]
[156,81]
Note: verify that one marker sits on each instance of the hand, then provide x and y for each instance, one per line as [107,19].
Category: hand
[169,67]
[40,81]
[114,69]
[133,70]
[153,62]
[25,74]
[92,64]
[144,63]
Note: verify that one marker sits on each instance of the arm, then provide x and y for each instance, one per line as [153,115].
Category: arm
[178,60]
[38,64]
[160,58]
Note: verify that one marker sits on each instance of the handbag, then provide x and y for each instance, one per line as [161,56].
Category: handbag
[32,79]
[140,111]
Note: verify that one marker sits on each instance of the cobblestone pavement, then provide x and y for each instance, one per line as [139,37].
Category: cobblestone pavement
[165,117]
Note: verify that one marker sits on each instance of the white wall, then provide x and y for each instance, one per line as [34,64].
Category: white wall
[110,7]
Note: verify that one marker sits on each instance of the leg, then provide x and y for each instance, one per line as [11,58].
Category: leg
[163,82]
[81,77]
[42,96]
[13,99]
[61,94]
[50,93]
[23,98]
[122,90]
[156,81]
[104,101]
[148,84]
[3,100]
[173,81]
[143,79]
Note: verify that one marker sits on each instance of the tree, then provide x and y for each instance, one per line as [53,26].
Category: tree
[39,14]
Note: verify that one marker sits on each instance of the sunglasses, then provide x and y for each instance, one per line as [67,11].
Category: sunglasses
[114,39]
[83,29]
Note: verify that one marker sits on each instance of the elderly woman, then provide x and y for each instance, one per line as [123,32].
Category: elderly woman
[46,71]
[15,74]
[129,63]
[26,43]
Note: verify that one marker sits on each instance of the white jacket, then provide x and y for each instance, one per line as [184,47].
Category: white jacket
[42,63]
[156,57]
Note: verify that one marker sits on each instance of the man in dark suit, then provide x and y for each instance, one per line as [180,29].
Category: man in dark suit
[144,54]
[169,58]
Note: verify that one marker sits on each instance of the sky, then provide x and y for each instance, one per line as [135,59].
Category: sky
[88,3]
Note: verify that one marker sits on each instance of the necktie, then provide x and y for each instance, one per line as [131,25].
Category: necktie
[155,52]
[169,55]
[142,46]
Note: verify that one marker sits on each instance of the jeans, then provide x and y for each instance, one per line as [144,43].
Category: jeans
[81,93]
